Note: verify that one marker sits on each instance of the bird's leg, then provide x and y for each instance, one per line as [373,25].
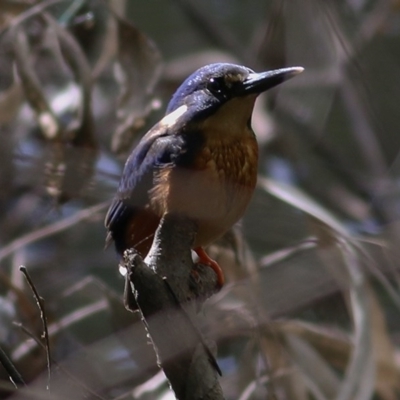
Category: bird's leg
[205,259]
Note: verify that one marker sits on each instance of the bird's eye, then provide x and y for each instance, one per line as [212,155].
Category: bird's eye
[216,86]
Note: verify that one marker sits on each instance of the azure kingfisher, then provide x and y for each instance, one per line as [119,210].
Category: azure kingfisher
[199,161]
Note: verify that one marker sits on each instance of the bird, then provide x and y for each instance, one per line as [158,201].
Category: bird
[200,160]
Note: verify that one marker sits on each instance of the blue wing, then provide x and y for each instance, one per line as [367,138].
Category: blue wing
[157,149]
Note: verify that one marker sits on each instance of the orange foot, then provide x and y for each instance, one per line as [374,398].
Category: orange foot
[205,259]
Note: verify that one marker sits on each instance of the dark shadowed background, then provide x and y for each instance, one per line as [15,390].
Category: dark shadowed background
[311,306]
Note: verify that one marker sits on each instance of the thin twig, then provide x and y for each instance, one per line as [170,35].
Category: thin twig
[49,230]
[211,28]
[287,252]
[56,364]
[15,376]
[55,328]
[43,317]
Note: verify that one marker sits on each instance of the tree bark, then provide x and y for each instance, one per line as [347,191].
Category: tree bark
[168,289]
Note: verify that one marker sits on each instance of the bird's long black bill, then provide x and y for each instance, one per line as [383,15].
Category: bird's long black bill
[260,82]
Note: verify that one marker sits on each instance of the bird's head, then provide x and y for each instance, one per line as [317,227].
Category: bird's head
[227,88]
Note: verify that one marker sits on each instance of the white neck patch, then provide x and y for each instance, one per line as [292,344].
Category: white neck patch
[170,119]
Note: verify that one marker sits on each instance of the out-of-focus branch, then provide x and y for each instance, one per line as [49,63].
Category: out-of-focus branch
[49,230]
[168,295]
[45,116]
[211,28]
[37,342]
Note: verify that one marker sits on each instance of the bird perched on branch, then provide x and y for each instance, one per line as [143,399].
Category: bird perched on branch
[199,161]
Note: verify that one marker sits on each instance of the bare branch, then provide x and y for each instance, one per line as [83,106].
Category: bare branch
[168,300]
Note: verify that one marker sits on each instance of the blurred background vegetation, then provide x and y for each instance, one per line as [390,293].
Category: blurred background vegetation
[311,307]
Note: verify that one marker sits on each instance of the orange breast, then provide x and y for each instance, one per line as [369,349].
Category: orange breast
[216,190]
